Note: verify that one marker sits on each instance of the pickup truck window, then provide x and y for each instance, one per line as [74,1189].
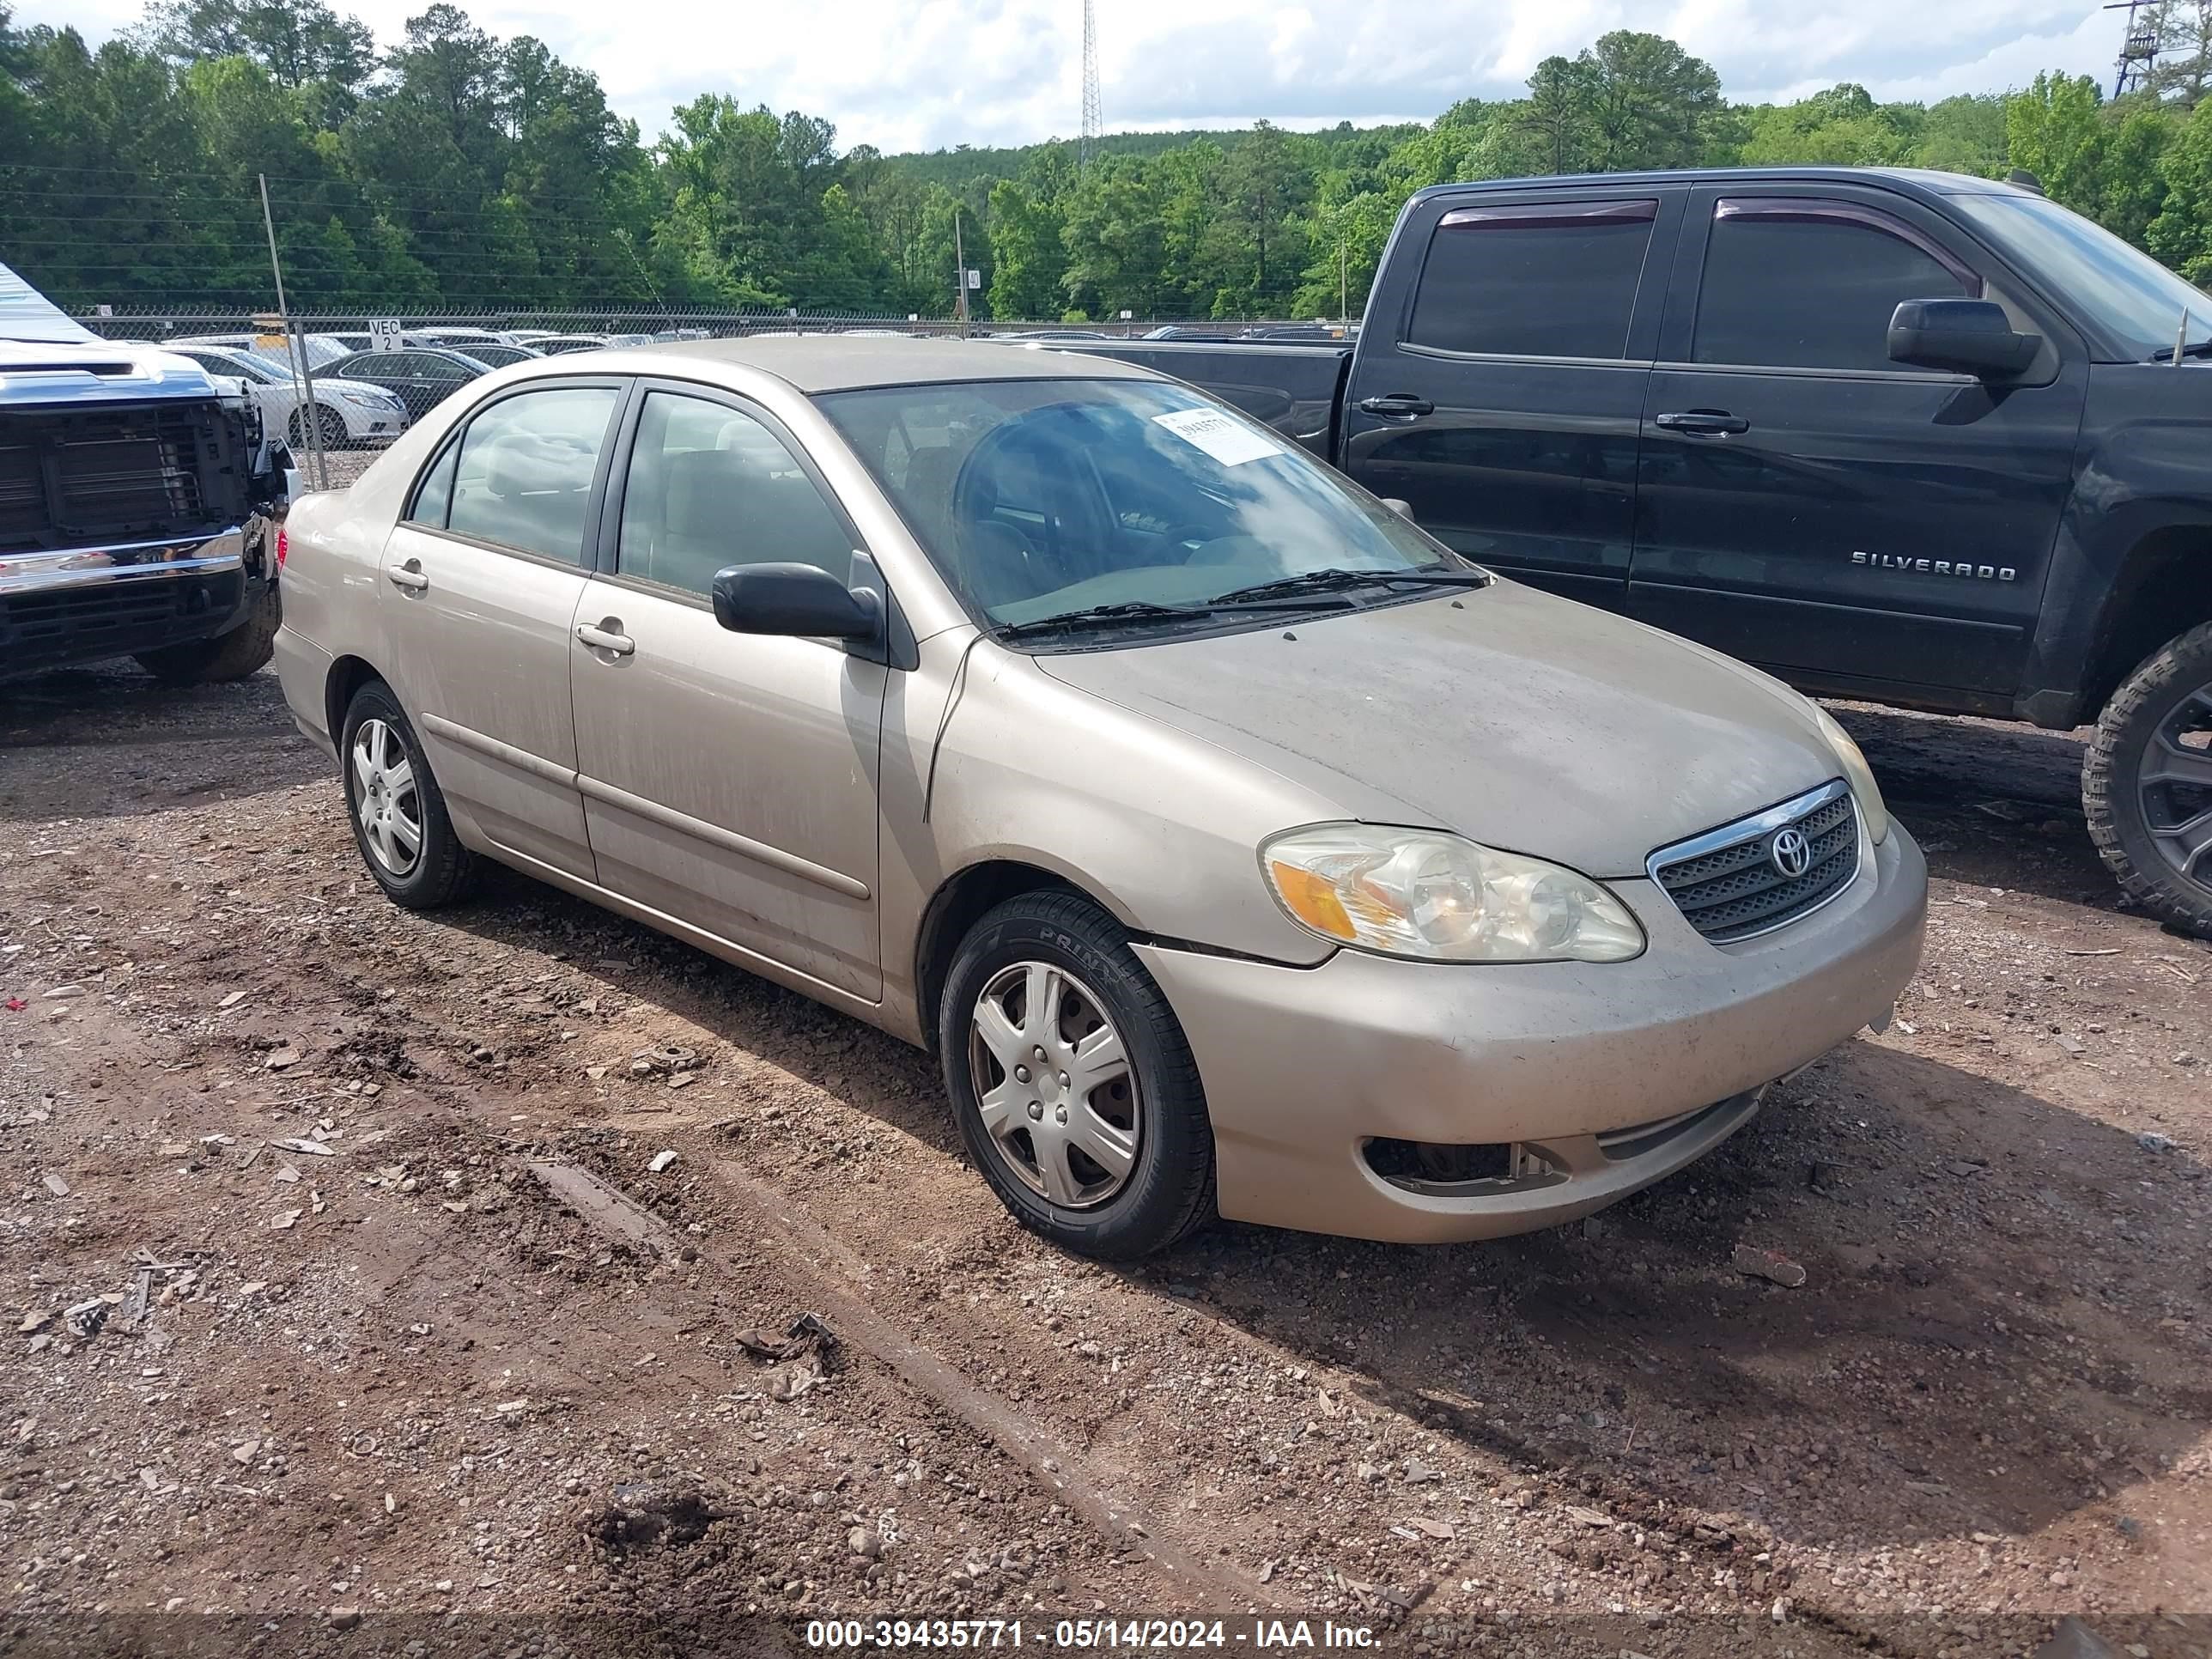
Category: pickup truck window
[710,487]
[2121,291]
[1544,279]
[525,473]
[1799,283]
[1036,498]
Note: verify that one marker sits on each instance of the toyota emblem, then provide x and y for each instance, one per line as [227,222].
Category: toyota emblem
[1791,853]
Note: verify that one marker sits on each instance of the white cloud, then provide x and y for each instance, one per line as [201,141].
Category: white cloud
[902,74]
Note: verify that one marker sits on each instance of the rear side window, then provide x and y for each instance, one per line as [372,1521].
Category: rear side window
[1812,284]
[710,487]
[524,469]
[1534,280]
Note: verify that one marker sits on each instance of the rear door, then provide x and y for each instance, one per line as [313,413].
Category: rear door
[1498,385]
[1810,505]
[482,580]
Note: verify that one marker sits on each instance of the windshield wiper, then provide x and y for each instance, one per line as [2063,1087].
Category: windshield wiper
[2194,348]
[1102,616]
[1334,580]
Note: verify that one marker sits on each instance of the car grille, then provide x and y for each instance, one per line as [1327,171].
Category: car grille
[1732,883]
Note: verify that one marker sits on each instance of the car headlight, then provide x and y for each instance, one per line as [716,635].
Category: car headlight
[1439,897]
[1856,772]
[361,400]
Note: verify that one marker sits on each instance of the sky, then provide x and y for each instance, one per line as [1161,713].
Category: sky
[928,74]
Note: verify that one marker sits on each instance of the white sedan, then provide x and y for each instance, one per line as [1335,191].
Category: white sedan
[348,412]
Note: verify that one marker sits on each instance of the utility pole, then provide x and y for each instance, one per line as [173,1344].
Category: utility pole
[300,370]
[959,274]
[1343,282]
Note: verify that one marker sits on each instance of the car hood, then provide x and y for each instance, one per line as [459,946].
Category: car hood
[1525,721]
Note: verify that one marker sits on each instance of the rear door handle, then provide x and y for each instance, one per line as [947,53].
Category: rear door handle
[1702,423]
[1402,405]
[606,635]
[409,575]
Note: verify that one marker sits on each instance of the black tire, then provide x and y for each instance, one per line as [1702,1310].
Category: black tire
[244,650]
[444,870]
[1169,1191]
[2113,795]
[333,425]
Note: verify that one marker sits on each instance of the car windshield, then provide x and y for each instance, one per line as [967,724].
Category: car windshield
[2124,291]
[1039,498]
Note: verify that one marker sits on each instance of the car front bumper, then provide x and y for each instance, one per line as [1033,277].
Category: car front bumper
[1599,1077]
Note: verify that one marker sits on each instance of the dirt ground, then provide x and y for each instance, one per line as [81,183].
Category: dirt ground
[387,1389]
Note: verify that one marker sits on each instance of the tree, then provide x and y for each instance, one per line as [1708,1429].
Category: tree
[1025,234]
[1649,104]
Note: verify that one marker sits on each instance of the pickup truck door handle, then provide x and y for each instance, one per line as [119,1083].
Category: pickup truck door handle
[1403,405]
[409,575]
[1702,423]
[606,635]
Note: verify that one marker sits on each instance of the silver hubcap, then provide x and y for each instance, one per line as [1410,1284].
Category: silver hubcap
[385,800]
[1059,1101]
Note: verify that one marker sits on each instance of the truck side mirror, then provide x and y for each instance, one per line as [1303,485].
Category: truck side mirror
[1967,336]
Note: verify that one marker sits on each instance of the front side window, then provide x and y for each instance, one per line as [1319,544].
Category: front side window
[523,477]
[1535,280]
[2126,293]
[1812,285]
[1037,498]
[710,487]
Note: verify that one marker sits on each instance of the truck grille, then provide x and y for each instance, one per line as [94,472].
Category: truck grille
[71,477]
[1766,871]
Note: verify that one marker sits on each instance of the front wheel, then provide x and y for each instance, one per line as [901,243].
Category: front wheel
[332,425]
[2146,783]
[1074,1086]
[243,650]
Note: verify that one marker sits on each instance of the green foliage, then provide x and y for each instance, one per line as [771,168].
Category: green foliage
[457,169]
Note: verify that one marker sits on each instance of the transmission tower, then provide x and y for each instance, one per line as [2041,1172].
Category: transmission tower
[2140,45]
[1091,117]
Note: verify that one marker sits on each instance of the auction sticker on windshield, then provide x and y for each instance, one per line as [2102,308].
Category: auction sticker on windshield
[1229,442]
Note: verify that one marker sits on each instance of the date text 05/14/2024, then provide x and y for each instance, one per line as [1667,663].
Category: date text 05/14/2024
[1260,1636]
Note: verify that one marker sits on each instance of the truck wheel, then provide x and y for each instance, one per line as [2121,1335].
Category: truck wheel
[232,656]
[1073,1083]
[397,810]
[2146,783]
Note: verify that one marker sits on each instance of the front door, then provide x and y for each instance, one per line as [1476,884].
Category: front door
[481,579]
[1503,403]
[729,780]
[1807,504]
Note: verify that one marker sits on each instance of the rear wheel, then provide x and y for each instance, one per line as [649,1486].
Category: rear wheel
[228,656]
[1074,1085]
[398,813]
[2146,783]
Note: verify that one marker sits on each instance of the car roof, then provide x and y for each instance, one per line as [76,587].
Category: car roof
[1923,180]
[845,362]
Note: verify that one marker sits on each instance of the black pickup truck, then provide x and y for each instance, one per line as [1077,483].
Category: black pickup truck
[1910,437]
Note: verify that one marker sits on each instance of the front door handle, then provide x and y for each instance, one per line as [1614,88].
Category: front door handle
[1702,423]
[409,575]
[1399,405]
[606,635]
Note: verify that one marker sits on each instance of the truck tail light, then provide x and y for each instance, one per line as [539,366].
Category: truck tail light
[283,546]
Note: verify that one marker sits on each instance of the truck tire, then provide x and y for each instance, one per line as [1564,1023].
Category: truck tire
[232,656]
[2146,783]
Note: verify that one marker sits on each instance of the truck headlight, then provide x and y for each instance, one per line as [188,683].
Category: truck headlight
[1856,772]
[1440,897]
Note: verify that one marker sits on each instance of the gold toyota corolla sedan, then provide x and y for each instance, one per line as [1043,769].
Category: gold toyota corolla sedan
[1237,848]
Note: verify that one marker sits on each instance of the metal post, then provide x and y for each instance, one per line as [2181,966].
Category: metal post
[299,351]
[1343,281]
[960,274]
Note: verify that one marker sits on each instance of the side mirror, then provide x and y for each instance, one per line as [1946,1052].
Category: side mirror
[1404,509]
[802,600]
[1968,336]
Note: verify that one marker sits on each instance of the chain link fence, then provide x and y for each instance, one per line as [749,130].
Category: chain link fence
[155,323]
